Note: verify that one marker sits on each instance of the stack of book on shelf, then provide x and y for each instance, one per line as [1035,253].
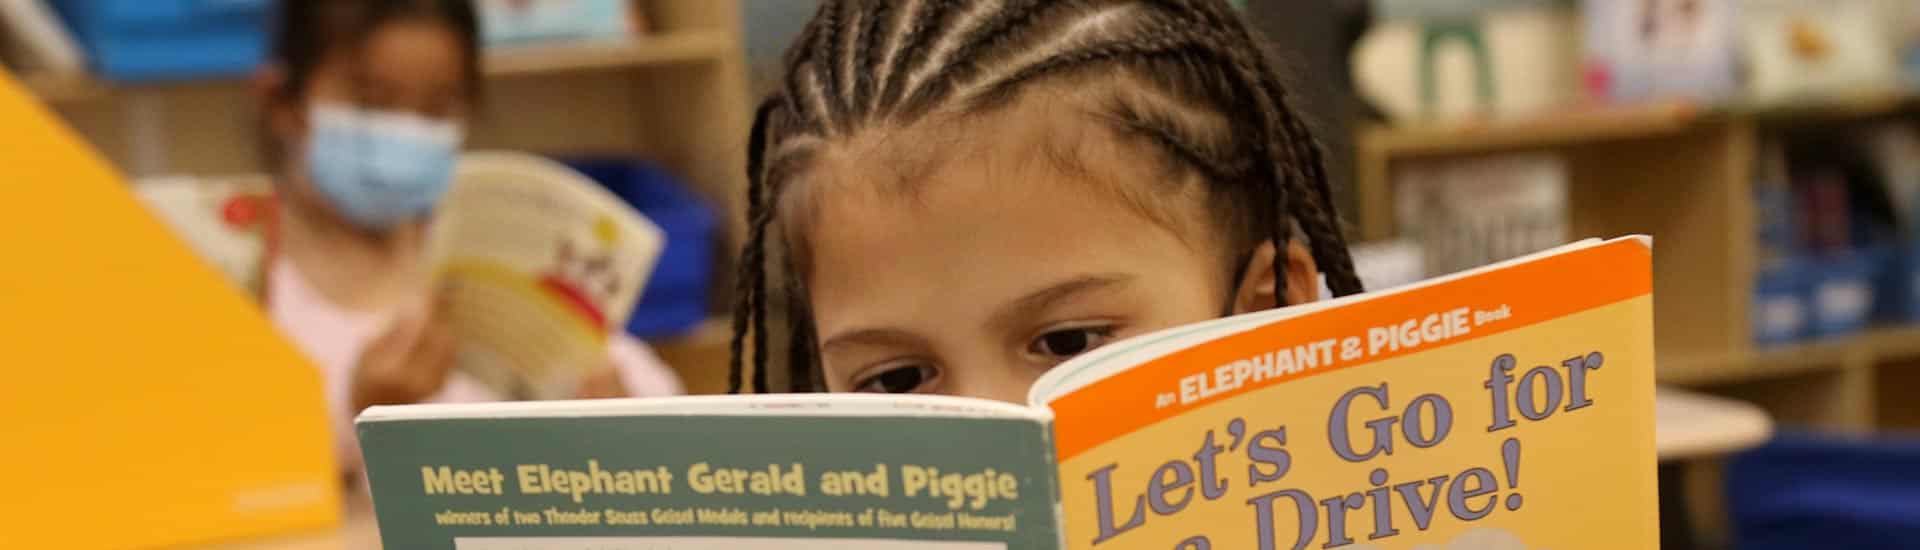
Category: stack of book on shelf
[1838,242]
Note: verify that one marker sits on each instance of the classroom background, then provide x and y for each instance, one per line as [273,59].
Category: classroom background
[1770,147]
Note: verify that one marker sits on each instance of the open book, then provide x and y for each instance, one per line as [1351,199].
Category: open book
[1509,407]
[539,266]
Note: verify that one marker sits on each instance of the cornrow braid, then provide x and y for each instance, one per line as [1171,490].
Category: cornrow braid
[800,348]
[746,291]
[870,43]
[827,77]
[1187,77]
[936,14]
[1015,15]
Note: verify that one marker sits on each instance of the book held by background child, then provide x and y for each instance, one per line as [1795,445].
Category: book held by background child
[539,266]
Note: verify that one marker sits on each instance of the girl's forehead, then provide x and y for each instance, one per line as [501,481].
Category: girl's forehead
[420,55]
[413,48]
[969,230]
[1047,151]
[970,241]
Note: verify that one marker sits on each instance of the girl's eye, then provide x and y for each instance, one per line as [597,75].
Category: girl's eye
[899,379]
[1066,343]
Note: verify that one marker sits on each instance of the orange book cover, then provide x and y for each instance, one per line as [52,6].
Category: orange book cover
[1505,408]
[148,402]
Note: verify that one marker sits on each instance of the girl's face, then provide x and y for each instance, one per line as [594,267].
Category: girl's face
[407,66]
[374,135]
[970,259]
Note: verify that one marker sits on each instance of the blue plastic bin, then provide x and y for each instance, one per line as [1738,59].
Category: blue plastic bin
[1780,314]
[148,40]
[676,297]
[1841,291]
[1803,491]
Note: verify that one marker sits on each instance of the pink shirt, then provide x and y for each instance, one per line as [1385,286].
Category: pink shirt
[333,338]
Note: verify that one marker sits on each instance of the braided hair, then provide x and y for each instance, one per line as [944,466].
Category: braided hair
[1184,75]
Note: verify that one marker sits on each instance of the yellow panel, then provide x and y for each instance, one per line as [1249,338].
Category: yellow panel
[145,402]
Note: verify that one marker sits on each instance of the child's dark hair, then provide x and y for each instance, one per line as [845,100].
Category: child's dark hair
[306,32]
[863,63]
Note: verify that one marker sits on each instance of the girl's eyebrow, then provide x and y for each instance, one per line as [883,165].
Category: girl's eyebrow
[1025,307]
[876,337]
[1033,303]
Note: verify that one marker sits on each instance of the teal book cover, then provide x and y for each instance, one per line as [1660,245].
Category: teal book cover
[712,473]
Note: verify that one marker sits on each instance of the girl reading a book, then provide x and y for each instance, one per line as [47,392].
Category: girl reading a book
[365,105]
[970,192]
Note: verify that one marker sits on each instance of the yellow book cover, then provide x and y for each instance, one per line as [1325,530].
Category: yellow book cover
[148,403]
[1506,408]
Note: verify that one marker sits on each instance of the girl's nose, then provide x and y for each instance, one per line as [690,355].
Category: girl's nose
[999,382]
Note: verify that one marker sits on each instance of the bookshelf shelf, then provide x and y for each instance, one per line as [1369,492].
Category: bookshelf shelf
[658,50]
[63,88]
[1600,124]
[1880,345]
[681,47]
[1565,129]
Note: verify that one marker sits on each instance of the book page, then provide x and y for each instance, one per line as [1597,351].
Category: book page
[539,266]
[1506,408]
[683,476]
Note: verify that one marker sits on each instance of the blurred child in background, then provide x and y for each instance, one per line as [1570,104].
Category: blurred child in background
[366,103]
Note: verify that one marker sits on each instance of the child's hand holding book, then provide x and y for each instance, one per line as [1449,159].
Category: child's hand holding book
[406,365]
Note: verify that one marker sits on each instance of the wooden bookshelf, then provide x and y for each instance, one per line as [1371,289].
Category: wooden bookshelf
[1684,174]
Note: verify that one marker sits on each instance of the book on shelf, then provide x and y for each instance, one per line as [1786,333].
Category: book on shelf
[1472,212]
[1508,407]
[1645,50]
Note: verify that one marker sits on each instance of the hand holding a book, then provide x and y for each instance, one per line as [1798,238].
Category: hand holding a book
[406,365]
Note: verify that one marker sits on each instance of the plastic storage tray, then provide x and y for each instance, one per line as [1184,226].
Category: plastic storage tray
[148,40]
[676,297]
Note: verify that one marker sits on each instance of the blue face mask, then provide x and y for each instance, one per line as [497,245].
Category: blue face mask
[380,169]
